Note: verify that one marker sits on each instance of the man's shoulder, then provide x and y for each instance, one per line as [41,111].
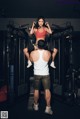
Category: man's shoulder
[34,51]
[47,51]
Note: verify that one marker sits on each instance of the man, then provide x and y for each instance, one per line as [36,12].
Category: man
[40,59]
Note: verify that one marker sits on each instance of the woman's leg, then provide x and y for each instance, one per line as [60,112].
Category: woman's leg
[49,46]
[54,53]
[26,53]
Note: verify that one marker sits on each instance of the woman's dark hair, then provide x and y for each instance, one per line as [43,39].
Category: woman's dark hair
[40,17]
[41,44]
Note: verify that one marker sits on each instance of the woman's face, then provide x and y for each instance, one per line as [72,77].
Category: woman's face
[40,22]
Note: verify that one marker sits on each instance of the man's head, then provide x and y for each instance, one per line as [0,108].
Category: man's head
[41,44]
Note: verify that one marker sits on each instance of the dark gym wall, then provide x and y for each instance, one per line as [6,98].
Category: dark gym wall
[34,8]
[2,57]
[76,50]
[14,63]
[61,22]
[13,72]
[67,63]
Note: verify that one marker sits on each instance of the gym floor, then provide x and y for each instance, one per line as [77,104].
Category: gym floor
[61,110]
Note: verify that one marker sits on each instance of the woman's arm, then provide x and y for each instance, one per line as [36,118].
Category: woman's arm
[32,28]
[48,29]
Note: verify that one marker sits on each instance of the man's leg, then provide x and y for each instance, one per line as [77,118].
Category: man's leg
[46,85]
[48,102]
[48,97]
[36,91]
[36,98]
[26,53]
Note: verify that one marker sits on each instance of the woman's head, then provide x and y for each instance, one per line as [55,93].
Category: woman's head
[40,22]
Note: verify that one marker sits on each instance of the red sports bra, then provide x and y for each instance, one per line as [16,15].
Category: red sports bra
[39,34]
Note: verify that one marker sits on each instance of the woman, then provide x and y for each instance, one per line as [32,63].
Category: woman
[40,29]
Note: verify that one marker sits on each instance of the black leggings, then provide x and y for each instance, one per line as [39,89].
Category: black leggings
[50,44]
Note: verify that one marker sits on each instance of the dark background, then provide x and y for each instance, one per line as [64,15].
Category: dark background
[34,8]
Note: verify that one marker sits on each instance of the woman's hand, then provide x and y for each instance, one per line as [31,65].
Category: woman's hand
[32,28]
[48,28]
[47,24]
[33,24]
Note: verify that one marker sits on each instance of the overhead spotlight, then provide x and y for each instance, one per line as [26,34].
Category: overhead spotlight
[67,37]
